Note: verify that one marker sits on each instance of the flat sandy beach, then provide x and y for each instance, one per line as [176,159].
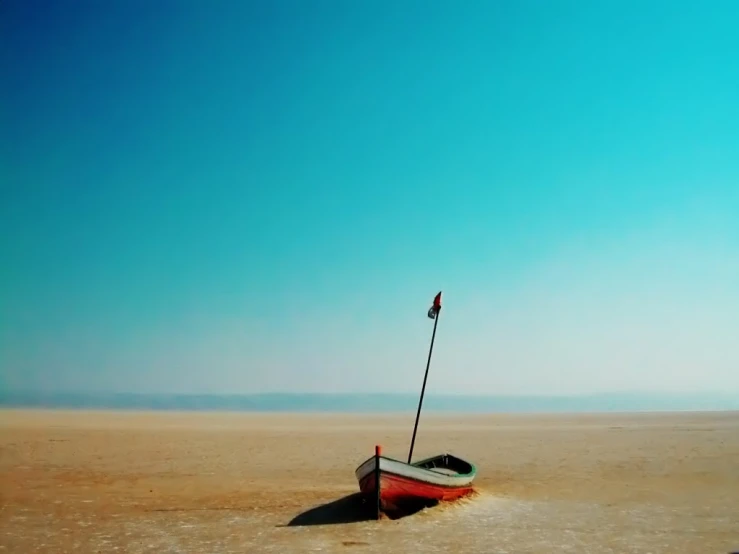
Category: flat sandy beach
[89,482]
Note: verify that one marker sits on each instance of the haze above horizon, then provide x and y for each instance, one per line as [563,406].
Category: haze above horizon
[250,197]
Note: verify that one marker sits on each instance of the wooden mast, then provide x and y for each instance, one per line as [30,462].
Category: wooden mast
[432,313]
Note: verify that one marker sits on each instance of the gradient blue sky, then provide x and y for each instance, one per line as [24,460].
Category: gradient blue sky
[249,197]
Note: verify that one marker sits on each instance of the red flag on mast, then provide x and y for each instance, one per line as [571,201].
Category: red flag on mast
[434,310]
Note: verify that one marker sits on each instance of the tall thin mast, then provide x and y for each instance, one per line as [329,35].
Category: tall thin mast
[433,313]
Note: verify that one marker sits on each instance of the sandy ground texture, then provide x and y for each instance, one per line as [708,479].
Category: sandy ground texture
[133,482]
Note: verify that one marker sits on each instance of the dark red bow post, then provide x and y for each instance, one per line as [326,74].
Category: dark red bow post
[433,313]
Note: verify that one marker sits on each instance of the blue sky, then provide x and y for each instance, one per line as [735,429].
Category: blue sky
[249,197]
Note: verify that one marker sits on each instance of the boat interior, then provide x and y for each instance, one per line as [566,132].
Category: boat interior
[446,463]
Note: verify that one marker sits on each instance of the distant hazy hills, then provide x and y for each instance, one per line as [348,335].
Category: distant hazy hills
[621,402]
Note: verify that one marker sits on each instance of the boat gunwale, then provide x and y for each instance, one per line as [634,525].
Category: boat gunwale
[467,478]
[450,486]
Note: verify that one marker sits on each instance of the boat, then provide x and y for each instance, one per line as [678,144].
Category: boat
[395,486]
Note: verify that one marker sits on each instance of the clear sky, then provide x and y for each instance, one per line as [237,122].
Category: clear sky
[250,197]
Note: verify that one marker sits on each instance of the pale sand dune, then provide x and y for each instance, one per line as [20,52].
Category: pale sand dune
[210,483]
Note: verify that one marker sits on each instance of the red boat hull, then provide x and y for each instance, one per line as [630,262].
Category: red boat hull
[396,491]
[402,485]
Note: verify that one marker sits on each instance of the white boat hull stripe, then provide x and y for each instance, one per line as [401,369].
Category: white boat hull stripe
[388,465]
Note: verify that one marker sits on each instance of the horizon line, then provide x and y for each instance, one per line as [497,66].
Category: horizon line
[24,392]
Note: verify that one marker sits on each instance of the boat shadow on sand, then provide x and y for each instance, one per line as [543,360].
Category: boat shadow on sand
[351,509]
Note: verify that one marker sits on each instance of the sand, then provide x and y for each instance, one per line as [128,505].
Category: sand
[133,482]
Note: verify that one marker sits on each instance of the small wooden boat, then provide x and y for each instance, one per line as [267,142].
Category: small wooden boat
[394,485]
